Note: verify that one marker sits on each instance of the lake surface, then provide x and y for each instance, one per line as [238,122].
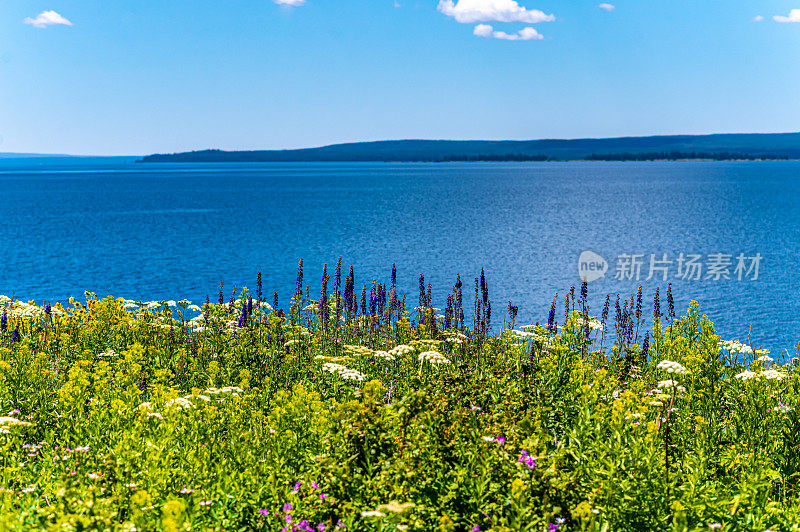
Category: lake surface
[172,231]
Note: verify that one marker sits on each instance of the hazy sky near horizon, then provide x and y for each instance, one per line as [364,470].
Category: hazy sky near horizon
[124,77]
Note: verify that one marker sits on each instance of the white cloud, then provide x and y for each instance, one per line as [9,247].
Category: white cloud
[607,7]
[290,2]
[47,18]
[758,18]
[483,30]
[468,11]
[525,34]
[794,16]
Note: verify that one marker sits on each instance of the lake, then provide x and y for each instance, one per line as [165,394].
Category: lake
[725,233]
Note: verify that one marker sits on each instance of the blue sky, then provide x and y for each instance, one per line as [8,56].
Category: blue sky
[127,77]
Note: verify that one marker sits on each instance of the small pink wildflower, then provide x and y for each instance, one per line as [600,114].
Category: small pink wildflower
[526,459]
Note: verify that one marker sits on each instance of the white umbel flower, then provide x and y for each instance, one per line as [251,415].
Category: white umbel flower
[434,357]
[671,367]
[773,374]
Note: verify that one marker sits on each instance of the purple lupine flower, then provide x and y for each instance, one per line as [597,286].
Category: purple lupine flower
[16,336]
[275,301]
[428,298]
[488,312]
[646,344]
[337,274]
[323,297]
[243,317]
[422,297]
[250,305]
[639,303]
[258,288]
[394,274]
[48,309]
[551,319]
[484,288]
[584,290]
[459,296]
[618,314]
[364,300]
[656,305]
[373,300]
[221,295]
[300,277]
[566,307]
[670,301]
[4,321]
[512,311]
[604,315]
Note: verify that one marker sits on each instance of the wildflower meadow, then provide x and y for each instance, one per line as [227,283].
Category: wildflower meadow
[346,408]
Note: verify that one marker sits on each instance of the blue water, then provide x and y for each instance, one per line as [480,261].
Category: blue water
[175,231]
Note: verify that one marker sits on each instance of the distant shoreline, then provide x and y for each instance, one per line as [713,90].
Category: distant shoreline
[722,147]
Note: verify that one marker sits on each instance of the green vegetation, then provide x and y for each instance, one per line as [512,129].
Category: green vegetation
[153,416]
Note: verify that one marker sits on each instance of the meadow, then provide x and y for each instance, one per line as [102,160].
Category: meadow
[351,408]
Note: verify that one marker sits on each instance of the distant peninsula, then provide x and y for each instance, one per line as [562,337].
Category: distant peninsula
[737,146]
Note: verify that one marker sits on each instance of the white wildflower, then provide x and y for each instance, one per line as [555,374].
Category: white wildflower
[671,367]
[671,384]
[773,374]
[747,375]
[735,346]
[180,403]
[400,350]
[353,375]
[434,357]
[384,355]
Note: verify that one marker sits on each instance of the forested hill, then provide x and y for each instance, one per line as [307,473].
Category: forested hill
[735,146]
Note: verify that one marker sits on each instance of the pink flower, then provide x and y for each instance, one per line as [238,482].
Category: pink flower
[263,511]
[323,496]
